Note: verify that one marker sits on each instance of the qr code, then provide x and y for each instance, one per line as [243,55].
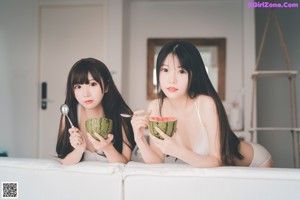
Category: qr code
[9,190]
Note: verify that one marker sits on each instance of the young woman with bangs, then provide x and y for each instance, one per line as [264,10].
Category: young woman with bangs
[91,93]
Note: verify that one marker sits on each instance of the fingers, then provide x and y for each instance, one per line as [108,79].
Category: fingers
[75,137]
[101,143]
[76,140]
[110,138]
[73,130]
[99,137]
[90,137]
[139,120]
[139,123]
[96,144]
[138,112]
[161,133]
[104,141]
[155,139]
[167,146]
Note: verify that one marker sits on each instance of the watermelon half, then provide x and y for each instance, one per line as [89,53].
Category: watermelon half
[166,124]
[103,126]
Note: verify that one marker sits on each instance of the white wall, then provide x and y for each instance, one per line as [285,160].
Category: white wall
[171,19]
[114,45]
[18,76]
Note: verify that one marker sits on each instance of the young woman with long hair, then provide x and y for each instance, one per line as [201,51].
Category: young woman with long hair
[203,137]
[91,93]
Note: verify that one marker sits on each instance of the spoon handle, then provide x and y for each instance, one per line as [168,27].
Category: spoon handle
[125,115]
[70,121]
[140,114]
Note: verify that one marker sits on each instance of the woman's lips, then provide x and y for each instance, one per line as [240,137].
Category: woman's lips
[88,101]
[171,89]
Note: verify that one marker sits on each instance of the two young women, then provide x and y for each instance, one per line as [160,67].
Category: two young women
[203,137]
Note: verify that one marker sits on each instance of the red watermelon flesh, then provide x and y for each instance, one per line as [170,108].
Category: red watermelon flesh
[166,124]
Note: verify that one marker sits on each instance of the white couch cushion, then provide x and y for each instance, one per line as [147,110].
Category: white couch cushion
[165,169]
[54,164]
[48,179]
[179,181]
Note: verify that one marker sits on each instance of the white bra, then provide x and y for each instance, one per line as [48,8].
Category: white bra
[201,146]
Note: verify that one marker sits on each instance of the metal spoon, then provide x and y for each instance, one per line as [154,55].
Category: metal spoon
[139,114]
[64,109]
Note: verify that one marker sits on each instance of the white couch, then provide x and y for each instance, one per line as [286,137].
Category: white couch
[177,182]
[48,179]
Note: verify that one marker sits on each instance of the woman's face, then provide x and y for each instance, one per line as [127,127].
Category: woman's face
[89,95]
[173,78]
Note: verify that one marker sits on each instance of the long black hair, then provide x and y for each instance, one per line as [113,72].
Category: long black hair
[200,84]
[112,102]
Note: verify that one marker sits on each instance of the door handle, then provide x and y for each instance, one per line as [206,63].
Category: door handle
[44,96]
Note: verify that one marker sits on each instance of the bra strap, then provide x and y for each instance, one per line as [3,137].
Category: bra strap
[198,111]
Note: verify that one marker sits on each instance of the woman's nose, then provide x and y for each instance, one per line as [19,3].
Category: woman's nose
[172,77]
[86,91]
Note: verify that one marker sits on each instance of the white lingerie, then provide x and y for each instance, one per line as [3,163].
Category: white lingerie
[93,156]
[260,155]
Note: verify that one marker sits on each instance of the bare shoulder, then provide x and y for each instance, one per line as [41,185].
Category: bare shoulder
[153,106]
[208,110]
[206,102]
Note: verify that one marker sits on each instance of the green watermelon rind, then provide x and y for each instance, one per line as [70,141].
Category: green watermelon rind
[103,126]
[168,127]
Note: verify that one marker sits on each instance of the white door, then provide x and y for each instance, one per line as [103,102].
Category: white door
[67,33]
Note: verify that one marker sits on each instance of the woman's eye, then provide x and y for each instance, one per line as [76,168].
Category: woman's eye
[164,70]
[182,71]
[93,83]
[76,87]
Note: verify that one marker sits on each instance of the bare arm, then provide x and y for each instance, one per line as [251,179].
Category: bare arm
[148,154]
[78,143]
[72,158]
[139,123]
[113,155]
[109,150]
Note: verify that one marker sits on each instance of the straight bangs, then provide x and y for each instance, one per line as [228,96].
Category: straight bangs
[80,74]
[176,50]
